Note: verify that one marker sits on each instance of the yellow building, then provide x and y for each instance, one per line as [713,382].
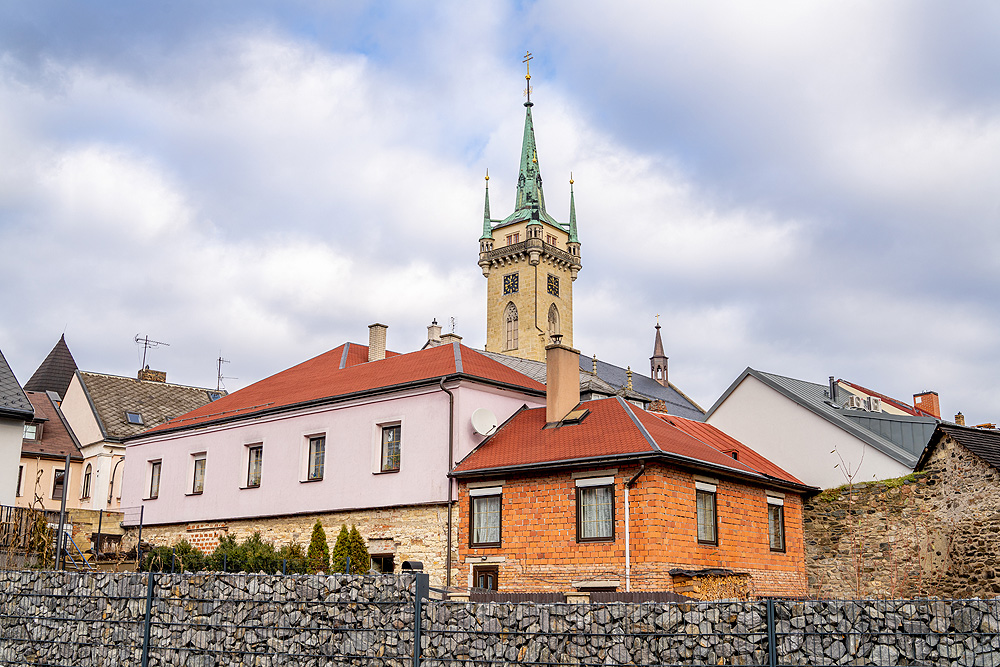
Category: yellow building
[530,262]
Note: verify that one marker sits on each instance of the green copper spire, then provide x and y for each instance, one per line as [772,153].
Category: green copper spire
[573,238]
[529,180]
[487,223]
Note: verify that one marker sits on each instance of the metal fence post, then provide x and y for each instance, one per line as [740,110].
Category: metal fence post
[772,635]
[421,586]
[149,615]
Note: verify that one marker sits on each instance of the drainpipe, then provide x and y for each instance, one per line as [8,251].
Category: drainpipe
[451,459]
[111,487]
[628,536]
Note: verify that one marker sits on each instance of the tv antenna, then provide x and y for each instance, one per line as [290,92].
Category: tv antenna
[219,385]
[146,345]
[452,324]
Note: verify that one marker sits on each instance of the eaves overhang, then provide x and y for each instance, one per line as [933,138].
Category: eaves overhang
[333,400]
[665,457]
[886,447]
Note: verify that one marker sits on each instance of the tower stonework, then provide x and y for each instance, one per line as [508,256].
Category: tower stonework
[530,262]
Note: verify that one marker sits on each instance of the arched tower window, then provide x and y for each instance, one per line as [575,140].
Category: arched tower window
[553,320]
[510,322]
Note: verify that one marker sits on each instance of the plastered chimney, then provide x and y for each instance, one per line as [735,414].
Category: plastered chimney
[928,402]
[433,334]
[448,338]
[376,341]
[562,380]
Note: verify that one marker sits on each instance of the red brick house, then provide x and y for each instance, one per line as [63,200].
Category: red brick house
[604,495]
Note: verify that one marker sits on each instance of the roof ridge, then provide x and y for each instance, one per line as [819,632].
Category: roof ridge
[149,382]
[642,429]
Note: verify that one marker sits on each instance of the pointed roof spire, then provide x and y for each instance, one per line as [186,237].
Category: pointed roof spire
[573,238]
[55,372]
[658,343]
[529,180]
[487,223]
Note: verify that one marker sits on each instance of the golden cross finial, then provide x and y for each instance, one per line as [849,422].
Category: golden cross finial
[571,178]
[488,178]
[527,76]
[657,317]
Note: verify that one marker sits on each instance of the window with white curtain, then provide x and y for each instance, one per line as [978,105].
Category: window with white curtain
[595,513]
[484,509]
[707,527]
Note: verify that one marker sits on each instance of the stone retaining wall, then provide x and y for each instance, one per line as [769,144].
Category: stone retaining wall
[237,619]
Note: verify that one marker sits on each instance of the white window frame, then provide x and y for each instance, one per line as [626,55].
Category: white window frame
[485,492]
[305,467]
[377,430]
[247,460]
[706,487]
[192,471]
[88,473]
[776,500]
[151,466]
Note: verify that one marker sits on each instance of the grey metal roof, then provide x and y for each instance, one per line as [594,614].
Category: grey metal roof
[13,402]
[901,437]
[611,381]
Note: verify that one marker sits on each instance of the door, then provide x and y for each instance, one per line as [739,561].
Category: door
[485,577]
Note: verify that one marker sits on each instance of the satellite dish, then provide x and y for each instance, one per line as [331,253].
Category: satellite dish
[484,422]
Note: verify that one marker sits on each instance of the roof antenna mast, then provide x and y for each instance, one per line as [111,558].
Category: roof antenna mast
[527,77]
[146,345]
[219,386]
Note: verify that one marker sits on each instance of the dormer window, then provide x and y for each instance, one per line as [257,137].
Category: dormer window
[32,431]
[134,418]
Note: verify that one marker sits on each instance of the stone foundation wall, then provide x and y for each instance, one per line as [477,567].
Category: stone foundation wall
[407,533]
[933,533]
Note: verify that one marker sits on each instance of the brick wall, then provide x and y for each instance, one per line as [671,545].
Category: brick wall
[408,533]
[935,533]
[540,552]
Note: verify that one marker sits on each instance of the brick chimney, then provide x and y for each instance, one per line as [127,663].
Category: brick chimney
[562,380]
[960,419]
[376,341]
[152,376]
[928,402]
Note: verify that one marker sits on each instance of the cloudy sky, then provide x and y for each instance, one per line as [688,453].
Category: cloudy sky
[809,189]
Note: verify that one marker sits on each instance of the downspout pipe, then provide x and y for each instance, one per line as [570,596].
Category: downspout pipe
[628,535]
[451,482]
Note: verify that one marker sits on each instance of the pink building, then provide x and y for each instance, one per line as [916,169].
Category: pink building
[353,436]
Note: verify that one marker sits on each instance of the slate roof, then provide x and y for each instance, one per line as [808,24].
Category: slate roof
[55,372]
[615,430]
[984,443]
[333,376]
[610,381]
[112,396]
[13,402]
[57,440]
[901,437]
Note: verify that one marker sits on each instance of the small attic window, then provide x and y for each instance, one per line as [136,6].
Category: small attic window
[214,396]
[735,454]
[576,416]
[133,418]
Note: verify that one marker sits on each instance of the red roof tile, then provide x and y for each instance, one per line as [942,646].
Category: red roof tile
[322,377]
[610,431]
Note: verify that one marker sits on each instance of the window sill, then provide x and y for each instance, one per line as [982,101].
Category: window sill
[244,488]
[492,545]
[195,493]
[309,481]
[385,472]
[707,544]
[595,540]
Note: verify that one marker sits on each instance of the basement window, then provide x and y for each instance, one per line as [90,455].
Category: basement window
[134,418]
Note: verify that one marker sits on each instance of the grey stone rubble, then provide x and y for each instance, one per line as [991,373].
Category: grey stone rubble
[247,619]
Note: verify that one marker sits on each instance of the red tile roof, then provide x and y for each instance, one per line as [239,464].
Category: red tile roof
[56,440]
[323,377]
[613,429]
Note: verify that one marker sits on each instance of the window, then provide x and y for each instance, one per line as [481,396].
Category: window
[595,509]
[510,285]
[20,475]
[707,527]
[510,321]
[255,462]
[513,238]
[32,431]
[776,523]
[553,285]
[485,510]
[317,454]
[485,577]
[133,418]
[383,564]
[550,239]
[553,320]
[390,448]
[85,491]
[58,484]
[198,479]
[154,479]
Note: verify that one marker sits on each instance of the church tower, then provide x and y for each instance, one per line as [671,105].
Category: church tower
[530,262]
[658,362]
